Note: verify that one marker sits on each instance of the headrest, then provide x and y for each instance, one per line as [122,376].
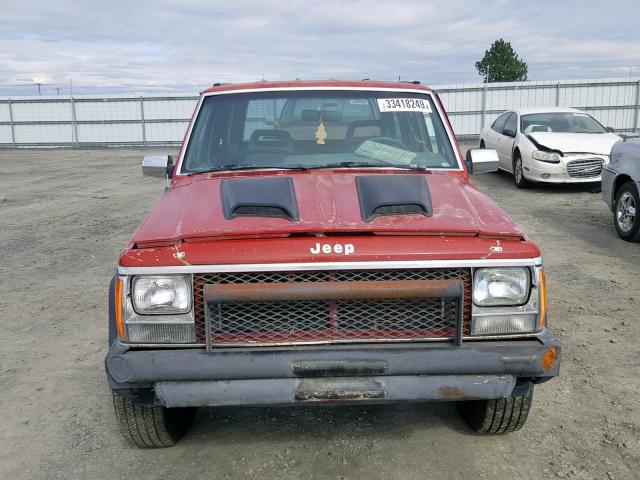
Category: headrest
[310,115]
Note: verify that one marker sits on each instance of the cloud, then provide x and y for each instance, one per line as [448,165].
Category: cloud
[185,45]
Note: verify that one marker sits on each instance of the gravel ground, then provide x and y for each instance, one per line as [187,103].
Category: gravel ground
[64,216]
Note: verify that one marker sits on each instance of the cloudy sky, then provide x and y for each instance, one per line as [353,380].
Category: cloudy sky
[185,45]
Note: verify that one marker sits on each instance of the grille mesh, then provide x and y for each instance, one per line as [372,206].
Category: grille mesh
[587,168]
[281,322]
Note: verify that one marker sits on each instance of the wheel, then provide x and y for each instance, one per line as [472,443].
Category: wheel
[625,216]
[518,172]
[503,415]
[482,144]
[151,427]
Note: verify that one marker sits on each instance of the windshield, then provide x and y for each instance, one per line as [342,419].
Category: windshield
[560,122]
[317,129]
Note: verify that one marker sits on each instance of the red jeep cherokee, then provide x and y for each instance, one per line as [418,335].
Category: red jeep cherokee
[321,243]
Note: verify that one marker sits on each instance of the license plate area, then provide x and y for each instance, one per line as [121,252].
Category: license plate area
[339,389]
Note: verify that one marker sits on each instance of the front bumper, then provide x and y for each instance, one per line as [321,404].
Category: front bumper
[330,374]
[538,171]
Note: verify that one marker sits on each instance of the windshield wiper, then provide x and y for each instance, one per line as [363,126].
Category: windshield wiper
[235,166]
[345,164]
[351,164]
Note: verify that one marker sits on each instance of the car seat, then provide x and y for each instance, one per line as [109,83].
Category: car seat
[268,147]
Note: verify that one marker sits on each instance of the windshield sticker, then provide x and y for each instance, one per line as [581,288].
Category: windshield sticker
[404,105]
[385,153]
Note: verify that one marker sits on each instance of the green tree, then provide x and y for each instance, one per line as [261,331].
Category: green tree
[501,64]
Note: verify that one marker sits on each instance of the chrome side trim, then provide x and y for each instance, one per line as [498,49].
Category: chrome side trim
[123,344]
[187,138]
[273,267]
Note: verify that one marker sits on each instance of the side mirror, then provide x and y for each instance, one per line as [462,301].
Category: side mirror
[509,133]
[610,130]
[482,160]
[157,166]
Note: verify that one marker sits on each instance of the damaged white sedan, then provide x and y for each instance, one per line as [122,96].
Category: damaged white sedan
[553,144]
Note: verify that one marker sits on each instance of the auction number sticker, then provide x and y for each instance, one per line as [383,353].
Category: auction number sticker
[404,105]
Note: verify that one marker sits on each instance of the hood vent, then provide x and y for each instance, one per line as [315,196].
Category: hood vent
[259,197]
[393,195]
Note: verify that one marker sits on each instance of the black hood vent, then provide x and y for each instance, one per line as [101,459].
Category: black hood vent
[259,197]
[393,195]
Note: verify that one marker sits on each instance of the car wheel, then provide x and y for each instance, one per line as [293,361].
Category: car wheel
[482,144]
[503,415]
[625,212]
[518,172]
[151,427]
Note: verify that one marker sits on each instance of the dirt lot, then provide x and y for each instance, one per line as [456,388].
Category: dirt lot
[64,215]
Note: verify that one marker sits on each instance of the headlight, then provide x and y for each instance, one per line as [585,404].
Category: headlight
[548,157]
[155,309]
[508,300]
[168,294]
[501,286]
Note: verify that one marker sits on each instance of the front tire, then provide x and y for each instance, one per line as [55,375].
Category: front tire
[503,415]
[151,427]
[518,172]
[625,212]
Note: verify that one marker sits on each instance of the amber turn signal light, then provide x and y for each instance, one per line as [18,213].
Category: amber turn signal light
[549,358]
[542,316]
[119,306]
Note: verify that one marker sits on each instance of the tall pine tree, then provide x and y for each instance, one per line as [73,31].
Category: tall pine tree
[501,64]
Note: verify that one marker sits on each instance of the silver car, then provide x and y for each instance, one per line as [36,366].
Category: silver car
[620,186]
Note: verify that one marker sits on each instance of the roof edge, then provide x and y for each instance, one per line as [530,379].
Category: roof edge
[316,83]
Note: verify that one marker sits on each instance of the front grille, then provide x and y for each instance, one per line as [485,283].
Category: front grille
[291,322]
[587,168]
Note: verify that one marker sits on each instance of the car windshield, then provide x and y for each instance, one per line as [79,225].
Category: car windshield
[318,129]
[560,122]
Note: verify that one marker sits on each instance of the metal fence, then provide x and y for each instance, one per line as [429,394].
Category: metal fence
[162,120]
[94,121]
[613,102]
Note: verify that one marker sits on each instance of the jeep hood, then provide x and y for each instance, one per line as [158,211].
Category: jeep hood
[597,143]
[328,204]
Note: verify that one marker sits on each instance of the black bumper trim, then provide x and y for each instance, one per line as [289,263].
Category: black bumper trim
[334,390]
[143,368]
